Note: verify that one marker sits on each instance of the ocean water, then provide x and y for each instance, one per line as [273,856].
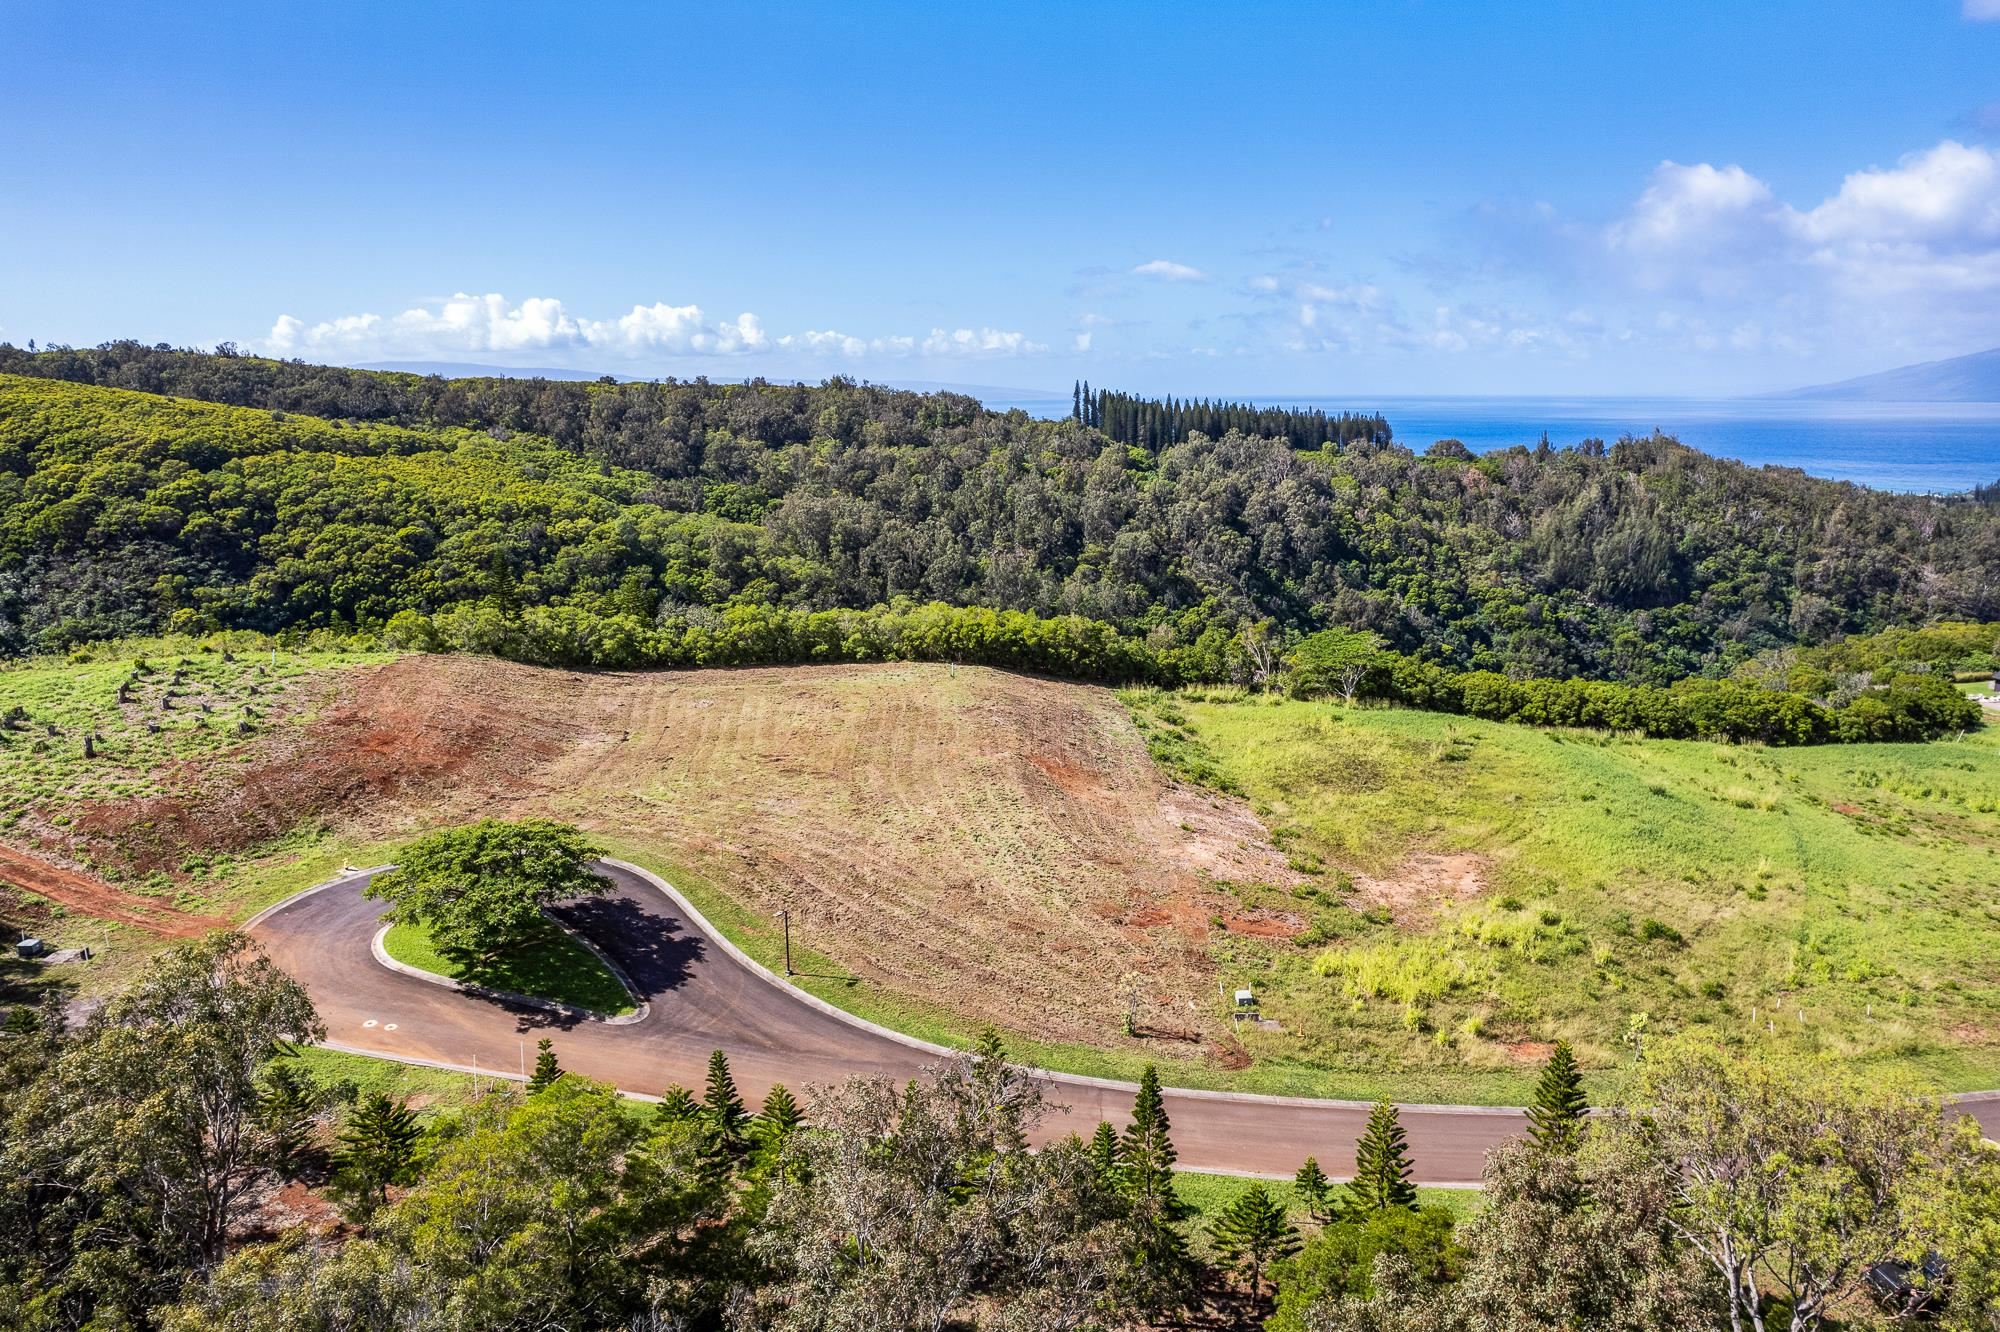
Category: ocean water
[1934,448]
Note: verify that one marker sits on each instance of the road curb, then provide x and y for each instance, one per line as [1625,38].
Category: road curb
[1050,1077]
[1045,1075]
[346,874]
[381,951]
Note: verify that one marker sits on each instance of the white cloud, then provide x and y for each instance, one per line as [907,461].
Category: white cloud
[827,343]
[1897,255]
[1169,271]
[1082,342]
[966,342]
[676,329]
[489,323]
[1691,205]
[1982,11]
[1949,194]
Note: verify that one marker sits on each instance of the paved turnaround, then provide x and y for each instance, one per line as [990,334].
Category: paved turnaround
[702,994]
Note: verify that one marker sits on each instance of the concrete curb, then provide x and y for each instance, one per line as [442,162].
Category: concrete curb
[751,964]
[347,872]
[1046,1075]
[743,959]
[638,1014]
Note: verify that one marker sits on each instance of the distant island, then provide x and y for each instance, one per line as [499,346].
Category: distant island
[475,370]
[1973,378]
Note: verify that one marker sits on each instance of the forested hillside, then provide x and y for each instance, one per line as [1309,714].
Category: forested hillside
[323,496]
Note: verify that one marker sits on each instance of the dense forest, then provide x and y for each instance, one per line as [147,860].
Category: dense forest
[318,496]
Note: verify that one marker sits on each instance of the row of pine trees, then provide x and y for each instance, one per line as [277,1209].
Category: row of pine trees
[1250,1235]
[1155,423]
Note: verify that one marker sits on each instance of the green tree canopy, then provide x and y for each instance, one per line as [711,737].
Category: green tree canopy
[1332,661]
[479,889]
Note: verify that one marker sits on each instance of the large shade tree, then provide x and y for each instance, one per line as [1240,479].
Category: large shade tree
[482,888]
[132,1148]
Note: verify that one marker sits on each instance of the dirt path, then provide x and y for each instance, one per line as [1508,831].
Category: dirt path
[81,893]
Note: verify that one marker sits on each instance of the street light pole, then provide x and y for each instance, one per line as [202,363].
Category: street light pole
[786,916]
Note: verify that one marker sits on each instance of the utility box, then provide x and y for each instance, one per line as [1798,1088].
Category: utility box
[1245,999]
[30,947]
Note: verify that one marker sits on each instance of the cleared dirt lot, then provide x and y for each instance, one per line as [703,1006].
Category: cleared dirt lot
[996,844]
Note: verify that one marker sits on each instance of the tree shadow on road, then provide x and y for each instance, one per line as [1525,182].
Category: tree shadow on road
[654,948]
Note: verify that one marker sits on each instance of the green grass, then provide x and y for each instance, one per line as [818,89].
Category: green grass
[550,965]
[430,1089]
[185,699]
[1833,899]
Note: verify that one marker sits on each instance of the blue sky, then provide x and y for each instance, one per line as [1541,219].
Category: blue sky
[1401,197]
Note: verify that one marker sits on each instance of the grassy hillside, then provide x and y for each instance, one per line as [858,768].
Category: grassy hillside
[1471,889]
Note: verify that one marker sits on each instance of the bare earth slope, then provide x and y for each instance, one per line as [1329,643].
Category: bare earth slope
[999,845]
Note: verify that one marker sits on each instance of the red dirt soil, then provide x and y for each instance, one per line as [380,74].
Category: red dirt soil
[995,844]
[81,893]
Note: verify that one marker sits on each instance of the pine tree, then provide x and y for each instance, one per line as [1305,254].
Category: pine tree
[378,1149]
[1381,1165]
[777,1120]
[989,1068]
[1162,1271]
[1252,1233]
[1316,1191]
[1148,1147]
[1076,401]
[288,1106]
[547,1070]
[1556,1119]
[677,1105]
[721,1106]
[1106,1161]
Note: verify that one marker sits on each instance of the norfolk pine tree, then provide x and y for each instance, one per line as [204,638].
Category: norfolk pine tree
[547,1070]
[722,1107]
[378,1149]
[1161,1268]
[1105,1157]
[1556,1119]
[1381,1165]
[677,1103]
[1252,1233]
[1316,1191]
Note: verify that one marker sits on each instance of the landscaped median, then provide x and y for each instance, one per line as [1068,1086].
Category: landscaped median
[549,965]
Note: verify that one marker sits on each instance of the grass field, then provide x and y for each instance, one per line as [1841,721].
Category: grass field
[144,705]
[551,965]
[1605,890]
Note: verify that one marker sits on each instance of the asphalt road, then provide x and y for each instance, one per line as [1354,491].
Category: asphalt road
[700,998]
